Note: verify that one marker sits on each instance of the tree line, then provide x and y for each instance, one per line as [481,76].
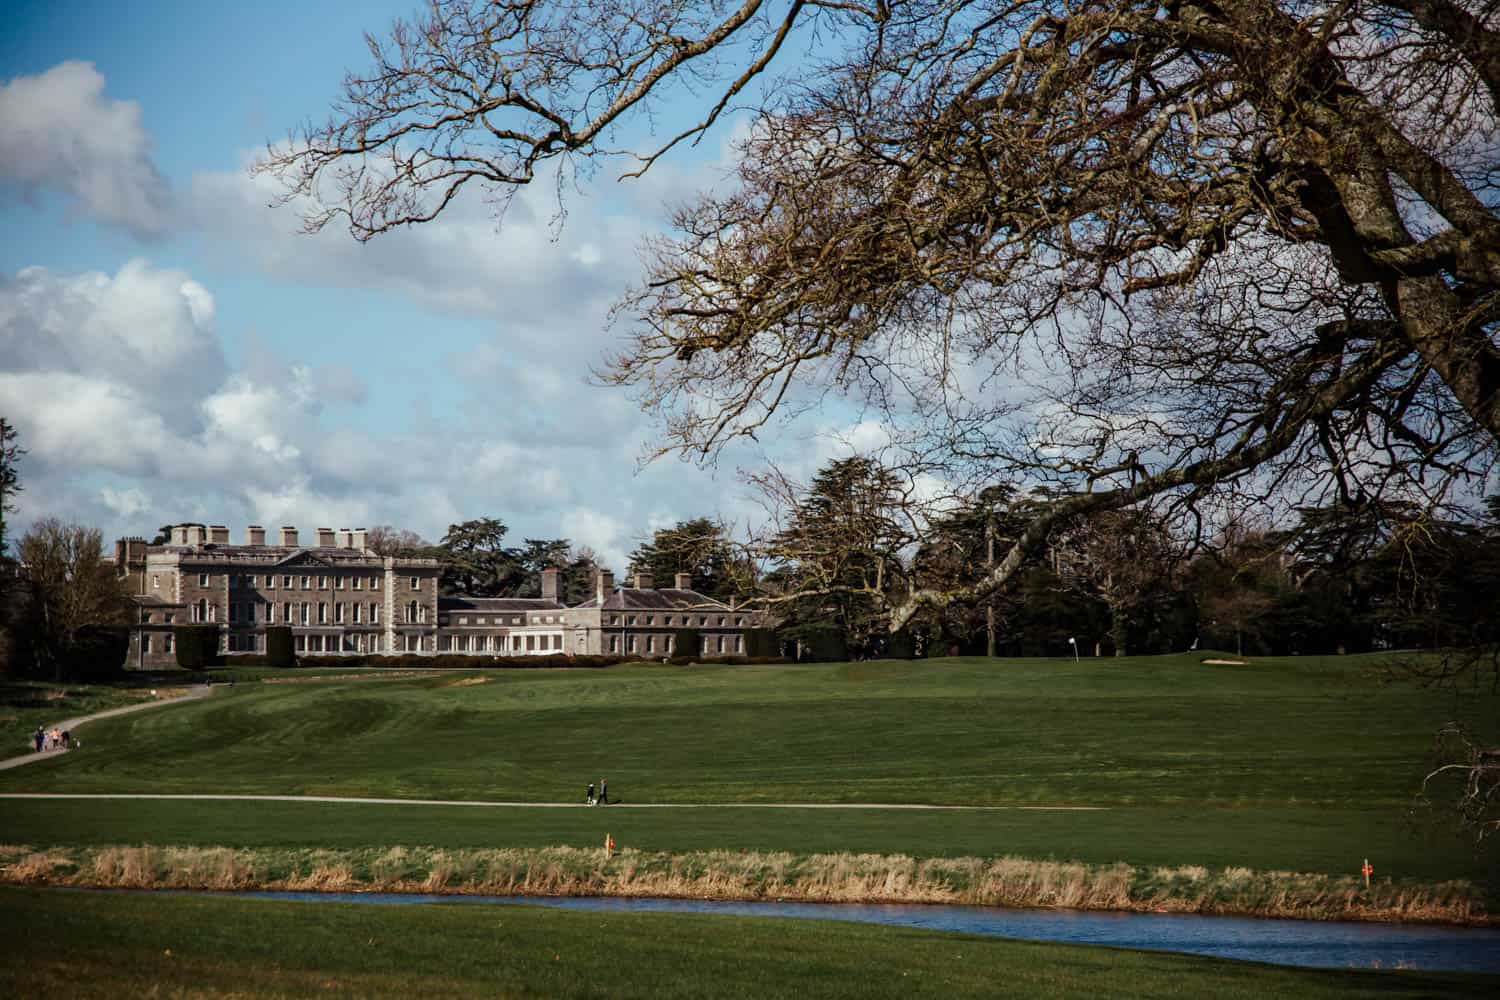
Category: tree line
[1342,577]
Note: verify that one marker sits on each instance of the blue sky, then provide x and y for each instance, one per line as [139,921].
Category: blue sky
[172,349]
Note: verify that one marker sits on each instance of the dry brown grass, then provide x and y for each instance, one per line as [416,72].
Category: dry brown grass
[570,871]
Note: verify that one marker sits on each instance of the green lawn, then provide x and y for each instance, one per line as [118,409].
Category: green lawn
[81,944]
[1304,764]
[1140,731]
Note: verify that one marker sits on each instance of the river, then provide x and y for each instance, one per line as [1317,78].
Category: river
[1280,942]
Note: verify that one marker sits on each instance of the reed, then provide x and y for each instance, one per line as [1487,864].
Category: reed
[843,877]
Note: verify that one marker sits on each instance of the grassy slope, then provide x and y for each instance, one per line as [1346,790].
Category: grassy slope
[1296,764]
[1156,731]
[109,945]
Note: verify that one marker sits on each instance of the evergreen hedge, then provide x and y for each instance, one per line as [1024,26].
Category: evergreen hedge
[279,648]
[761,643]
[825,646]
[688,645]
[98,653]
[197,646]
[903,646]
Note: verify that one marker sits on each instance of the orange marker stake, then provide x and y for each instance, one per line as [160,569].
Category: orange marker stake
[1367,870]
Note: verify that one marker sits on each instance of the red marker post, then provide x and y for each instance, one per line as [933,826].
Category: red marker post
[1367,870]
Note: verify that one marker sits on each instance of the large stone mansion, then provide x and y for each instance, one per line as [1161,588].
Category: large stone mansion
[339,598]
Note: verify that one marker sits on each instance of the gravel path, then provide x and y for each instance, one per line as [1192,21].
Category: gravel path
[193,693]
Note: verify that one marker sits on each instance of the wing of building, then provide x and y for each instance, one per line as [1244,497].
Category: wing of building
[339,598]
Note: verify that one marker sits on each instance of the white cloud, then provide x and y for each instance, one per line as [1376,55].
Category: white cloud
[524,273]
[59,131]
[127,503]
[609,536]
[144,330]
[132,418]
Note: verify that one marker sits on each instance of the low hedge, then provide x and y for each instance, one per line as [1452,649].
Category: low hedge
[761,643]
[280,651]
[748,661]
[197,646]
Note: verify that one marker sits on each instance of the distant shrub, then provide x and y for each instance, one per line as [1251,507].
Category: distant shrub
[688,661]
[279,649]
[197,646]
[761,643]
[98,653]
[825,646]
[687,644]
[903,645]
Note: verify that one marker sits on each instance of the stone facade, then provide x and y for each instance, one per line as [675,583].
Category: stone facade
[341,599]
[337,597]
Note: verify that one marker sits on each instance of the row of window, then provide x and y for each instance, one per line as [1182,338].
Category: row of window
[242,581]
[687,620]
[710,644]
[500,620]
[293,613]
[532,643]
[352,643]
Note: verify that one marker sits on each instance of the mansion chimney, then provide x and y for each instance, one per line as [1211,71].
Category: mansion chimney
[684,581]
[643,580]
[289,536]
[346,538]
[179,534]
[325,538]
[255,535]
[550,577]
[218,534]
[195,535]
[606,585]
[361,539]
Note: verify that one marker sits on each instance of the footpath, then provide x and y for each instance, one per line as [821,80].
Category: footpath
[71,725]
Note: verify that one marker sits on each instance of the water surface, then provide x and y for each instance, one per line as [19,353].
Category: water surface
[1281,942]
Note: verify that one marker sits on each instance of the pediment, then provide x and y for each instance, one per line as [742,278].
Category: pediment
[302,557]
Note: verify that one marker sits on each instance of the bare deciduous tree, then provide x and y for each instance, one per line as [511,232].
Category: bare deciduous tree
[1475,768]
[66,586]
[10,478]
[1127,248]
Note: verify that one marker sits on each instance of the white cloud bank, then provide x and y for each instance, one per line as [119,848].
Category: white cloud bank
[58,131]
[131,417]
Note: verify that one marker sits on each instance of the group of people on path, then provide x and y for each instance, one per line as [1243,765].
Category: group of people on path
[57,739]
[603,797]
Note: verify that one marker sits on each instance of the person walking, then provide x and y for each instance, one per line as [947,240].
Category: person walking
[38,738]
[603,792]
[591,793]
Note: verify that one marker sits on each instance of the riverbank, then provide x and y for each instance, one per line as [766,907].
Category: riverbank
[746,875]
[107,945]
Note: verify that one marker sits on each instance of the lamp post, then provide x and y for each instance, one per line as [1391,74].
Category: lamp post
[1074,643]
